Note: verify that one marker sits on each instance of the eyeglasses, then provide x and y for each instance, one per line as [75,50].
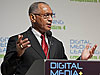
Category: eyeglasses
[45,16]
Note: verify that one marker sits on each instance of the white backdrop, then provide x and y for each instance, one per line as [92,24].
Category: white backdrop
[76,23]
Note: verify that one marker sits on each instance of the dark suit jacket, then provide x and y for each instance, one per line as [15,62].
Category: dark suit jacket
[20,65]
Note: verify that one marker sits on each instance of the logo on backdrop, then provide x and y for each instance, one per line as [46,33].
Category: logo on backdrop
[3,45]
[77,46]
[58,24]
[93,1]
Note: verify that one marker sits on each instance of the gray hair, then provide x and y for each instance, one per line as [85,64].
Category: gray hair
[34,7]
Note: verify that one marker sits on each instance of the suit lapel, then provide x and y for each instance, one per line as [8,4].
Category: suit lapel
[52,47]
[35,44]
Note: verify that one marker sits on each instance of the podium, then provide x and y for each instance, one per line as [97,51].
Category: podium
[64,67]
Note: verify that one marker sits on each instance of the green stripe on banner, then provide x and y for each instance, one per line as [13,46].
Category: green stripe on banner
[1,55]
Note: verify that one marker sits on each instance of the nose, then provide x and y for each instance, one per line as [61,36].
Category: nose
[50,18]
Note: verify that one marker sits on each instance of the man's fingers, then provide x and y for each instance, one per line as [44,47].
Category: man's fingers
[19,38]
[87,46]
[23,41]
[91,54]
[93,49]
[25,44]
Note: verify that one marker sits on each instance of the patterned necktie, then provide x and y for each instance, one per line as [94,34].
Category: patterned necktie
[44,46]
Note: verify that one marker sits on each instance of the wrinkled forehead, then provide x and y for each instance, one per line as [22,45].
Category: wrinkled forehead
[43,8]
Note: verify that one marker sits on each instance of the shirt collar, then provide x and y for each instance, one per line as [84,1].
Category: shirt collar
[36,32]
[38,35]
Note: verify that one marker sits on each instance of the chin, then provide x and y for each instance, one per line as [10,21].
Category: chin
[48,29]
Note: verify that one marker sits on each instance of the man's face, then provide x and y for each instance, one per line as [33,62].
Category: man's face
[43,19]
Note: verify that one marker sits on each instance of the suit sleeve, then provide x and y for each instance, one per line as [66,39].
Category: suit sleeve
[11,60]
[63,52]
[65,57]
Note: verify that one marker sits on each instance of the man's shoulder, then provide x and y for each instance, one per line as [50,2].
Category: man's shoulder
[56,39]
[24,33]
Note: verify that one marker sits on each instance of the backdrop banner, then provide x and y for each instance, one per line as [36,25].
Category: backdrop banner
[75,22]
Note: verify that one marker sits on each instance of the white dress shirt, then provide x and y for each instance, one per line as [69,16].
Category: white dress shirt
[38,36]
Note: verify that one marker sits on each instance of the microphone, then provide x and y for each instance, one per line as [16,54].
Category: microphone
[49,35]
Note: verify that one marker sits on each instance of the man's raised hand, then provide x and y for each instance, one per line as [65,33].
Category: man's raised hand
[22,45]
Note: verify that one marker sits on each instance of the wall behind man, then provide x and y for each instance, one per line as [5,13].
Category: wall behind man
[75,23]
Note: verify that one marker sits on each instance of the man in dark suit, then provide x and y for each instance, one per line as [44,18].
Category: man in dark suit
[25,48]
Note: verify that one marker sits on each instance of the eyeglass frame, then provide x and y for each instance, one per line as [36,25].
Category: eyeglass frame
[45,16]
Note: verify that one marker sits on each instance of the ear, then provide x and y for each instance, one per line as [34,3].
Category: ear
[32,18]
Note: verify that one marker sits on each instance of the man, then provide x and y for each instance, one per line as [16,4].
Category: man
[25,48]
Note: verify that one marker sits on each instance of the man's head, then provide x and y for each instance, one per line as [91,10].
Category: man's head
[41,16]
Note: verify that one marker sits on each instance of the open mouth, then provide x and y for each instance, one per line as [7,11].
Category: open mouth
[49,25]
